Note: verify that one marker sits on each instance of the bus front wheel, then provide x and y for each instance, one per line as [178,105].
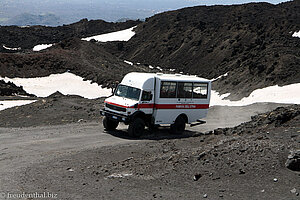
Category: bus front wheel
[136,127]
[110,124]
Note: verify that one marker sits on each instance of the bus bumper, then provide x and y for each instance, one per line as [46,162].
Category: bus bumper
[115,116]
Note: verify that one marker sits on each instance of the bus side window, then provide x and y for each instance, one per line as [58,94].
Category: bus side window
[184,90]
[168,89]
[146,96]
[200,90]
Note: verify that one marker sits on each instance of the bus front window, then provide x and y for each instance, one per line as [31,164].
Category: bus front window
[128,92]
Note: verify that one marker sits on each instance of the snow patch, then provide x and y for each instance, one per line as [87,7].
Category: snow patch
[13,103]
[123,35]
[150,66]
[128,62]
[27,26]
[66,83]
[296,34]
[286,94]
[214,79]
[41,47]
[171,70]
[119,175]
[159,68]
[12,49]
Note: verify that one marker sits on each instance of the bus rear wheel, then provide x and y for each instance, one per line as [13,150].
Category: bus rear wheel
[136,127]
[110,124]
[179,126]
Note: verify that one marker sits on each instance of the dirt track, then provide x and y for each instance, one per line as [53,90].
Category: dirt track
[41,159]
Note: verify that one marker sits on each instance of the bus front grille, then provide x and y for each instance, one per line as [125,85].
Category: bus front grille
[117,108]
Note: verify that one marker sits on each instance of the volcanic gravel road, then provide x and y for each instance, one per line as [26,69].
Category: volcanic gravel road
[22,149]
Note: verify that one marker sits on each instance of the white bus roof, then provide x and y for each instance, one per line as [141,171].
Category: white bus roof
[144,80]
[180,77]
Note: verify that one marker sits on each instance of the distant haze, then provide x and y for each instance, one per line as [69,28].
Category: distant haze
[58,12]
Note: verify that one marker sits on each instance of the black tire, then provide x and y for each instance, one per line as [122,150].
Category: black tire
[110,124]
[136,128]
[153,128]
[179,126]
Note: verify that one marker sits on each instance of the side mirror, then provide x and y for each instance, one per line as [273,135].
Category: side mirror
[146,96]
[136,105]
[113,89]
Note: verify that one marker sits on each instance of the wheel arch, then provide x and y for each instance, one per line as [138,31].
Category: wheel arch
[139,114]
[184,116]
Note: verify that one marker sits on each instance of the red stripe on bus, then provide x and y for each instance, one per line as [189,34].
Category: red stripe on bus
[166,106]
[114,104]
[145,105]
[174,106]
[182,106]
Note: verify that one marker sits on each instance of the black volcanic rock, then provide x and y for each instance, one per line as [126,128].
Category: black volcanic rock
[86,59]
[10,89]
[28,37]
[56,94]
[293,161]
[280,117]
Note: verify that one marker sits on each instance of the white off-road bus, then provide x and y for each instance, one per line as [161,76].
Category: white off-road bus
[149,99]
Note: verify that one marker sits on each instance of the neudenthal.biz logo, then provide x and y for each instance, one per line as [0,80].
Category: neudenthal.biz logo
[35,195]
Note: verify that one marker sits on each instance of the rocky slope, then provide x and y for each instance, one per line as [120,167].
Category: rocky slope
[28,37]
[253,42]
[82,58]
[279,117]
[53,110]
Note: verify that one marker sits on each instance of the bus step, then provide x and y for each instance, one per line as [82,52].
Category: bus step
[198,123]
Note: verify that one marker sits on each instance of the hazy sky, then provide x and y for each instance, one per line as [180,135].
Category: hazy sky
[110,10]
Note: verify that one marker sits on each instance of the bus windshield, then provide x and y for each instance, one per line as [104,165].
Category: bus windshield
[128,92]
